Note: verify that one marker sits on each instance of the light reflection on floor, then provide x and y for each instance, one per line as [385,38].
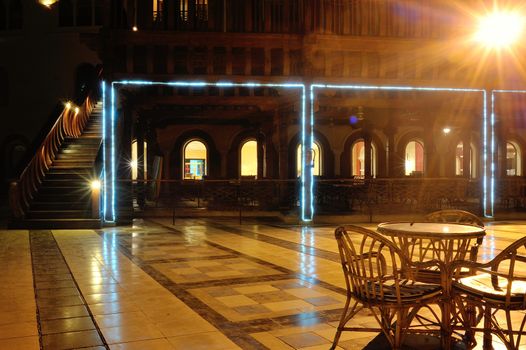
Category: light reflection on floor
[209,283]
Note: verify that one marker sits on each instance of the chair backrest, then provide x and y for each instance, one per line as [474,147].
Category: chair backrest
[508,270]
[455,215]
[371,264]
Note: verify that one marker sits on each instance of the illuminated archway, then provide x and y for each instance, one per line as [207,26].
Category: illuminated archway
[195,160]
[249,158]
[513,159]
[414,158]
[316,160]
[358,159]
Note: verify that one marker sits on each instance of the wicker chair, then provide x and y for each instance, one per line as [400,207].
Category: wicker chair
[371,266]
[498,288]
[459,217]
[454,215]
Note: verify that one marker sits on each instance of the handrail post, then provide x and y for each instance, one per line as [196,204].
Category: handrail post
[15,201]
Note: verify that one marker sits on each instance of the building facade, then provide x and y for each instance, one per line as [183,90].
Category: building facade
[402,103]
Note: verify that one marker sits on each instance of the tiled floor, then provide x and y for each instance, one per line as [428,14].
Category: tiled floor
[199,284]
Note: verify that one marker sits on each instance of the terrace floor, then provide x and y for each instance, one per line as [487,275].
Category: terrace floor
[199,284]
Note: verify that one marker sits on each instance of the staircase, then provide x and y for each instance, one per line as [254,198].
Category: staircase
[63,199]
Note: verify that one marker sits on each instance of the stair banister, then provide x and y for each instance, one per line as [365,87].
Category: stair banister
[70,123]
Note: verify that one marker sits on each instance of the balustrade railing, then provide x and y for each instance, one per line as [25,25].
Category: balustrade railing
[69,124]
[341,196]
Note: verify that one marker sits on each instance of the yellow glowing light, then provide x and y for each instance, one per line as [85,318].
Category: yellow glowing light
[68,105]
[95,185]
[77,110]
[446,130]
[500,29]
[47,3]
[134,28]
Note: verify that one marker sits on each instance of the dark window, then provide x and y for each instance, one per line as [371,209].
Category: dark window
[180,60]
[373,69]
[65,13]
[258,61]
[84,12]
[119,62]
[427,70]
[4,87]
[238,61]
[97,12]
[140,54]
[159,59]
[391,66]
[16,14]
[337,64]
[296,64]
[243,91]
[276,62]
[443,70]
[318,65]
[219,60]
[3,15]
[199,60]
[236,15]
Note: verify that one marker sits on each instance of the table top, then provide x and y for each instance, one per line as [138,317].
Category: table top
[431,230]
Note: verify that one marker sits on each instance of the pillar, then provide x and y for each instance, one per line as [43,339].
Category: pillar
[140,185]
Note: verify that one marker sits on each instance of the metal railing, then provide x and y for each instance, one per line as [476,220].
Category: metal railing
[69,124]
[369,197]
[340,196]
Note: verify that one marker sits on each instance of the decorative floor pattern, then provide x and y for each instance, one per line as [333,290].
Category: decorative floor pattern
[65,320]
[199,284]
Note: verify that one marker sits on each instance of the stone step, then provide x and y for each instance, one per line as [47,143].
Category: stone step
[59,214]
[38,205]
[56,224]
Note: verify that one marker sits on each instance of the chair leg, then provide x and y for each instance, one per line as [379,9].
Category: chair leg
[401,319]
[346,316]
[487,342]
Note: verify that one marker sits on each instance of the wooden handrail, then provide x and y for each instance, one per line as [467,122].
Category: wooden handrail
[70,123]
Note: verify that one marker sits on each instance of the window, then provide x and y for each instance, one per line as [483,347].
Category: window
[249,158]
[513,159]
[135,162]
[201,9]
[84,8]
[358,159]
[65,13]
[316,160]
[459,160]
[16,16]
[195,165]
[4,87]
[414,158]
[158,10]
[3,23]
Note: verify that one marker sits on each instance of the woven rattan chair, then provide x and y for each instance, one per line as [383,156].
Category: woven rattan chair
[454,215]
[459,217]
[371,265]
[497,289]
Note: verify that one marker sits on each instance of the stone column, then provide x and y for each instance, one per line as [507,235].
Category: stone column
[140,186]
[123,188]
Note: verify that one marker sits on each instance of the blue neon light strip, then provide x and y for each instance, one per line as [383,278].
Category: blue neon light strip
[104,199]
[311,137]
[492,123]
[113,216]
[115,84]
[416,88]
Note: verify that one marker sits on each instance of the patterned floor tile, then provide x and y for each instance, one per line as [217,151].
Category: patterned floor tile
[268,300]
